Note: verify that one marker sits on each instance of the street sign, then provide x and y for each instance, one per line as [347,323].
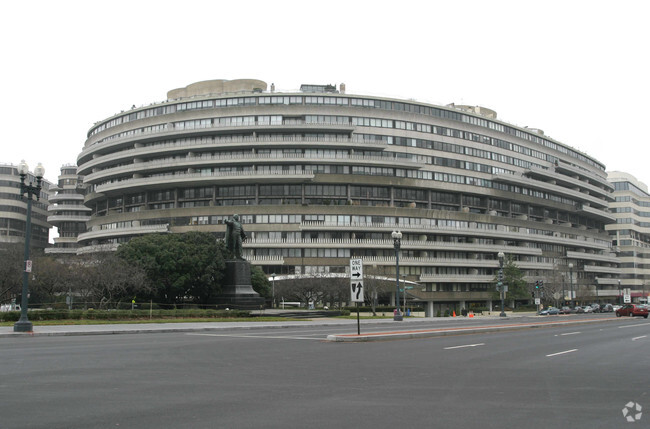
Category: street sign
[28,266]
[356,290]
[627,299]
[356,280]
[356,269]
[537,301]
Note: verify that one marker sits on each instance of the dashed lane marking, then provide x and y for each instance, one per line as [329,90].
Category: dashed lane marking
[464,346]
[562,353]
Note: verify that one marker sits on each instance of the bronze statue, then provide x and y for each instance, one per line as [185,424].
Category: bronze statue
[235,236]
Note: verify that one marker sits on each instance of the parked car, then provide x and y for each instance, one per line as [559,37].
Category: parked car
[587,309]
[595,308]
[578,309]
[632,310]
[550,311]
[606,308]
[566,310]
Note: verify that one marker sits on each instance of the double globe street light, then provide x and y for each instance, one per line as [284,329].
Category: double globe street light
[397,242]
[500,284]
[23,324]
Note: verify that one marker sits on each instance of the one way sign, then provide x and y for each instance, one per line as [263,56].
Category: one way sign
[356,280]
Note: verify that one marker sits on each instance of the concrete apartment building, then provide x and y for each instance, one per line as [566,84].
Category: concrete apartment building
[319,176]
[13,209]
[631,234]
[67,211]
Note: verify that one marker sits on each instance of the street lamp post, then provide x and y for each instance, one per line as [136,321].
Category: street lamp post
[620,295]
[571,285]
[273,291]
[23,324]
[397,242]
[501,256]
[404,283]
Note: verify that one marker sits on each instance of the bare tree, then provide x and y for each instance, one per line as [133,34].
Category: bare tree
[376,283]
[11,270]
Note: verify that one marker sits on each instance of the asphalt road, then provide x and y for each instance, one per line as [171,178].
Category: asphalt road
[578,376]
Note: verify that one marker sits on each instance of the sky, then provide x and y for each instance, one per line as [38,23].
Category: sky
[576,69]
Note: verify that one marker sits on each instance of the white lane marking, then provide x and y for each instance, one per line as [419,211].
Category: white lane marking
[562,353]
[461,347]
[258,336]
[638,338]
[570,333]
[634,326]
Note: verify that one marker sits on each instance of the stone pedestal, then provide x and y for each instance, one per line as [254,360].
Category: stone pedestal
[237,290]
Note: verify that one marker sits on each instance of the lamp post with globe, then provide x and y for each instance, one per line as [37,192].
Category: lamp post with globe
[397,242]
[23,324]
[500,284]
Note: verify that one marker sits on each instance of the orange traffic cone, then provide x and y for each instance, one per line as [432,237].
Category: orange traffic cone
[454,313]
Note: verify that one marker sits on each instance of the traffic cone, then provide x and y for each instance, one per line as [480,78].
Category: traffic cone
[454,313]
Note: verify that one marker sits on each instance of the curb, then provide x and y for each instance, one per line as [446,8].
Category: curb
[432,333]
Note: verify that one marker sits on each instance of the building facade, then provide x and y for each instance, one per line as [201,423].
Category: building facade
[631,234]
[319,176]
[67,211]
[13,209]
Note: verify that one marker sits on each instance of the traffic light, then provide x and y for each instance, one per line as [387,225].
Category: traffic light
[536,284]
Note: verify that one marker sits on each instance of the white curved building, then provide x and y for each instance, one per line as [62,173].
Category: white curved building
[67,211]
[320,176]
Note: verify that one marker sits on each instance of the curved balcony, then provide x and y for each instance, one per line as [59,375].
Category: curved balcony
[519,180]
[58,207]
[565,168]
[248,159]
[94,143]
[239,143]
[609,258]
[456,278]
[264,259]
[195,179]
[497,234]
[388,244]
[121,232]
[602,215]
[570,182]
[65,197]
[451,262]
[602,270]
[67,218]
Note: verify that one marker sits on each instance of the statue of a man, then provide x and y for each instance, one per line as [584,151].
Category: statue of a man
[235,236]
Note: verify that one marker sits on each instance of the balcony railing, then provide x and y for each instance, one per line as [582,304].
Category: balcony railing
[133,230]
[499,234]
[388,244]
[197,177]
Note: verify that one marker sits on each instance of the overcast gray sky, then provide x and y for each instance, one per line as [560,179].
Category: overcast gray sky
[576,69]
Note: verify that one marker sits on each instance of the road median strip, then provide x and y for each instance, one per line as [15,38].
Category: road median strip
[441,332]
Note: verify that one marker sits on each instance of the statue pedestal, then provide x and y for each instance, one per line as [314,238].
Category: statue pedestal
[237,290]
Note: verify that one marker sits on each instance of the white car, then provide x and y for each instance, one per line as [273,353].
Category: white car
[588,309]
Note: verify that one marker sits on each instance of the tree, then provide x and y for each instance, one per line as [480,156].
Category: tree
[113,280]
[180,267]
[513,277]
[11,270]
[376,283]
[260,282]
[50,278]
